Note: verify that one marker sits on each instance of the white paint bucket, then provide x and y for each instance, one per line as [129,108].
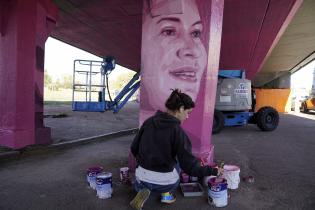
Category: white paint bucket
[104,185]
[232,174]
[217,192]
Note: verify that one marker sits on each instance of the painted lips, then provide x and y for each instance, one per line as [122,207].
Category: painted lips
[187,74]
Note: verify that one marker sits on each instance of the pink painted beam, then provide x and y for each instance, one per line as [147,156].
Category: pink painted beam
[5,7]
[21,72]
[278,17]
[1,17]
[241,25]
[251,29]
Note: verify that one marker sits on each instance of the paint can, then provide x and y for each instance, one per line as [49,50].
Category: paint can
[124,175]
[232,174]
[206,180]
[193,179]
[104,185]
[91,174]
[184,178]
[217,192]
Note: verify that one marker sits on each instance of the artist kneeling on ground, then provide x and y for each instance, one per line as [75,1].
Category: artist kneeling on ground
[159,146]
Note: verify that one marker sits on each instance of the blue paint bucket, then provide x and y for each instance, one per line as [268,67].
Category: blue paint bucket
[104,185]
[217,192]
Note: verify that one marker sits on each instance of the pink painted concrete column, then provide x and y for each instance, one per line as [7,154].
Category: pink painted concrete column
[45,22]
[181,42]
[25,26]
[199,124]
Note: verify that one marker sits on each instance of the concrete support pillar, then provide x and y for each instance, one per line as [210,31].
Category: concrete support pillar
[199,124]
[25,26]
[181,41]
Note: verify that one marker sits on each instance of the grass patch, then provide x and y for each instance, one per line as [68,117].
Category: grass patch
[57,102]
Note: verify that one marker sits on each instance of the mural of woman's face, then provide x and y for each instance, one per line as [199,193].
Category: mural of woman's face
[173,55]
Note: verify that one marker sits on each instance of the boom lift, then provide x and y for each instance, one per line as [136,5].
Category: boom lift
[91,78]
[235,104]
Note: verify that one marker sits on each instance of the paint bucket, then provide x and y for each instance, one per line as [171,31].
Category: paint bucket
[193,179]
[206,180]
[104,185]
[124,175]
[91,174]
[232,174]
[217,192]
[184,178]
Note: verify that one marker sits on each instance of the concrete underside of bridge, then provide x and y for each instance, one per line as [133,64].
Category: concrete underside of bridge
[251,37]
[251,30]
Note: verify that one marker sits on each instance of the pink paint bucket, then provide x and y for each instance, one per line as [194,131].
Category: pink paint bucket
[124,175]
[232,174]
[184,178]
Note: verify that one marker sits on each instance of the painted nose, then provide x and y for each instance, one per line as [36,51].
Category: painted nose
[188,49]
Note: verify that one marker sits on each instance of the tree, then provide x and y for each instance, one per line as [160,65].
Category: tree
[67,82]
[57,84]
[120,81]
[47,79]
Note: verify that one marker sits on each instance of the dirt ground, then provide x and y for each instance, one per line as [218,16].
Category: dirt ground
[77,125]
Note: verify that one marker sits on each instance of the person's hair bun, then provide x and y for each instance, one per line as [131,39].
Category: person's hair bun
[178,99]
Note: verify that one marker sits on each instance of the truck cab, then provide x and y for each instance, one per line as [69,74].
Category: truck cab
[308,104]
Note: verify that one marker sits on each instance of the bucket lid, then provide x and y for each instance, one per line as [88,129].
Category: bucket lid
[216,181]
[231,168]
[96,169]
[104,175]
[124,169]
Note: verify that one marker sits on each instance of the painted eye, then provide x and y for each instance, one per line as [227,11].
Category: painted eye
[196,34]
[168,32]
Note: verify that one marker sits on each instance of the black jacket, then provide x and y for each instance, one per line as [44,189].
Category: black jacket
[161,141]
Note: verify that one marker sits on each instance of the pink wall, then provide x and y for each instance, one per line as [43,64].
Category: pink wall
[251,29]
[24,28]
[178,53]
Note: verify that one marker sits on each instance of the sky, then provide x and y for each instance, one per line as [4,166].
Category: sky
[303,78]
[59,58]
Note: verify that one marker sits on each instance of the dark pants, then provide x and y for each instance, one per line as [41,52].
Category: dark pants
[139,185]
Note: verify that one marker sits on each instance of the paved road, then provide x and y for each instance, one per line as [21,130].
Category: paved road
[282,163]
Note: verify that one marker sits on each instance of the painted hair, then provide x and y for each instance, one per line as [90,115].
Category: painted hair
[178,99]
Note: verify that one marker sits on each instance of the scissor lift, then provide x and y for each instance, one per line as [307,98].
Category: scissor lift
[91,78]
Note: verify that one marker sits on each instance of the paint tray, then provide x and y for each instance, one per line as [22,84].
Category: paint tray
[191,189]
